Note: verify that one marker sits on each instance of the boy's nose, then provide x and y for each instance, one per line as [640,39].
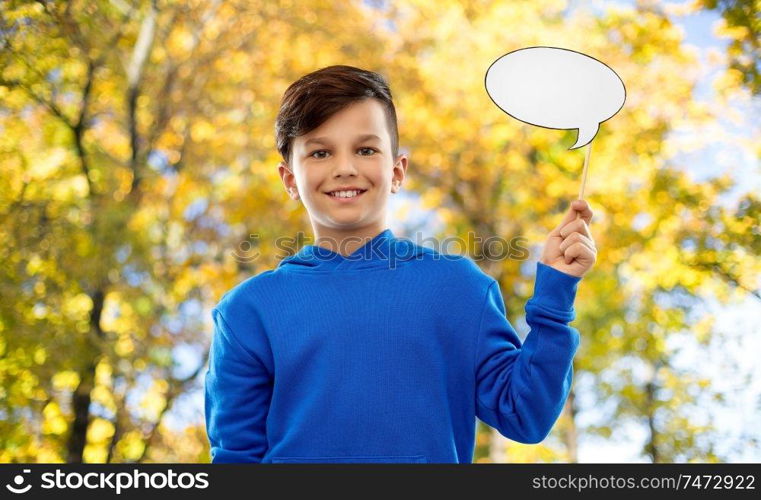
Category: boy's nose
[344,166]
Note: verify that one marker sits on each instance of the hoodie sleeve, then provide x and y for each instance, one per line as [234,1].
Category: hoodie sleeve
[521,389]
[238,389]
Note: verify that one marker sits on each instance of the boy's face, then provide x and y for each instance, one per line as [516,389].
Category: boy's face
[336,155]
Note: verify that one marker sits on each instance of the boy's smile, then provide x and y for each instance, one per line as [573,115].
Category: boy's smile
[344,171]
[346,195]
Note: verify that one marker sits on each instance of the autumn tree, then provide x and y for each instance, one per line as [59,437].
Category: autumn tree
[140,183]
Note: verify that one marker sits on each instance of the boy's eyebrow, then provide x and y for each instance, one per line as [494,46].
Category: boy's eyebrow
[325,141]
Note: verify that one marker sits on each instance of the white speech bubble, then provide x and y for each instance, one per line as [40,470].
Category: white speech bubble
[556,88]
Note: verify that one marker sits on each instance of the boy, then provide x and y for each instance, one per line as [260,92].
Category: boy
[368,348]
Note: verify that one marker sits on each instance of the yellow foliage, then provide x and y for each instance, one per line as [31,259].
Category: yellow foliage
[431,198]
[102,395]
[131,446]
[40,355]
[152,404]
[100,431]
[54,421]
[95,454]
[74,187]
[47,163]
[77,306]
[722,30]
[524,453]
[202,130]
[124,346]
[103,373]
[34,265]
[45,455]
[65,380]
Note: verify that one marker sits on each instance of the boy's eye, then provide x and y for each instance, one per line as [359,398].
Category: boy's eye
[372,151]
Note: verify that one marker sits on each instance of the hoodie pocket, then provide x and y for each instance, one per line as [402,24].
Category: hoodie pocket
[399,459]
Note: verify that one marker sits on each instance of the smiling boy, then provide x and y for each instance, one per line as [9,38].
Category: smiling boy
[364,347]
[341,173]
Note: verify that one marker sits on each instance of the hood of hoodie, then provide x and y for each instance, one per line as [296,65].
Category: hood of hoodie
[383,251]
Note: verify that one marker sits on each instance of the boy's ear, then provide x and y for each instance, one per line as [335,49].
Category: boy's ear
[292,191]
[401,163]
[284,165]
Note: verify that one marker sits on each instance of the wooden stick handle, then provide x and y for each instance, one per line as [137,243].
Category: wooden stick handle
[584,175]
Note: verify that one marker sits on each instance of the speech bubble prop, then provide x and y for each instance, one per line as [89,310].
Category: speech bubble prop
[556,88]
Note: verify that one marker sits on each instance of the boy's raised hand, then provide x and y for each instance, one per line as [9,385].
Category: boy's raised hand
[570,247]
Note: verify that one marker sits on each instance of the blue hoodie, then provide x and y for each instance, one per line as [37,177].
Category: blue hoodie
[386,355]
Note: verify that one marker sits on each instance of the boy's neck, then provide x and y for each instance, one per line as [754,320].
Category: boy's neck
[346,242]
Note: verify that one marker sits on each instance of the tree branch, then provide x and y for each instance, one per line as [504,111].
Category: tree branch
[176,387]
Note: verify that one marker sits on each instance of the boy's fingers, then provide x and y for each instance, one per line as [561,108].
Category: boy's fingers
[577,239]
[577,206]
[581,252]
[577,225]
[582,207]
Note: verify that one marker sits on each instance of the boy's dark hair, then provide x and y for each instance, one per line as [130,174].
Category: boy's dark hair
[315,97]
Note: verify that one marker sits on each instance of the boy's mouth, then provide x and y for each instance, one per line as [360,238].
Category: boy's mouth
[346,196]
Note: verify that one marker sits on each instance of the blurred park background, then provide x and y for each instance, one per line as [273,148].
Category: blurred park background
[139,183]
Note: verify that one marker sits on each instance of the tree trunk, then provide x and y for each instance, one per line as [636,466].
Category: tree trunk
[80,399]
[652,445]
[571,433]
[80,405]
